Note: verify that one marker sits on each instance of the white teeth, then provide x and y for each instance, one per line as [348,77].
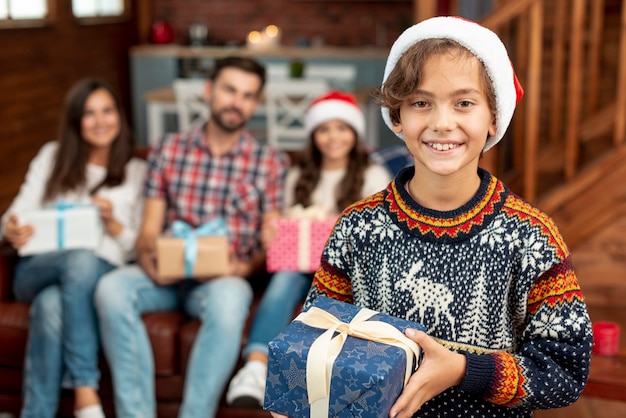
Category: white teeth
[443,147]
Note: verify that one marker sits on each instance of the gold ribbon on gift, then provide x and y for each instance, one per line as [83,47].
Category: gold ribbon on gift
[326,348]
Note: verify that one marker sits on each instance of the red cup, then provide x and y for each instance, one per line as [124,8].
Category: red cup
[605,338]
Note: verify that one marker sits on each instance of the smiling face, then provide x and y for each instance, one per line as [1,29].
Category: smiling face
[100,121]
[334,139]
[447,119]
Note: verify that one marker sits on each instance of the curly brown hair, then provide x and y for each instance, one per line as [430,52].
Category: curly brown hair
[406,76]
[309,161]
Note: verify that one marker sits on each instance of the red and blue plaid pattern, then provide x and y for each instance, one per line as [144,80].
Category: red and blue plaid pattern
[238,186]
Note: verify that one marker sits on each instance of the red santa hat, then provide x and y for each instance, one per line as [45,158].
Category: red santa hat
[481,42]
[335,105]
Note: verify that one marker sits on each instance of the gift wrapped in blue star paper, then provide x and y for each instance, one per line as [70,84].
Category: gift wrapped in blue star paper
[339,360]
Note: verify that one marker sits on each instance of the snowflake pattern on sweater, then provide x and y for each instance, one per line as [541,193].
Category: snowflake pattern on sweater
[492,279]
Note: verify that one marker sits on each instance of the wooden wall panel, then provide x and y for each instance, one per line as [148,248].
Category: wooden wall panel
[37,67]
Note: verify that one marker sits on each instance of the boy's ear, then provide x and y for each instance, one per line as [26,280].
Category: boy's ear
[492,129]
[397,128]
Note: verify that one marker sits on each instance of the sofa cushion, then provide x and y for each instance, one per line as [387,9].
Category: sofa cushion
[163,329]
[14,330]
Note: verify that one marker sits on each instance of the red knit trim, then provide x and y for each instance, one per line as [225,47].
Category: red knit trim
[508,385]
[557,286]
[331,282]
[452,227]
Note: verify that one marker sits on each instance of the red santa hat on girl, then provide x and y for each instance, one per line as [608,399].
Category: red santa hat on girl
[335,105]
[481,42]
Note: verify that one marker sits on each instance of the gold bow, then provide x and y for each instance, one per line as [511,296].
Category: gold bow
[327,347]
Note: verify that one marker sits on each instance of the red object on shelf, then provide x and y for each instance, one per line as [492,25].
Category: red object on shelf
[161,32]
[606,338]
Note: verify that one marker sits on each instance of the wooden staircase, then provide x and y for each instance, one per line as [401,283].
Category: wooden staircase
[565,150]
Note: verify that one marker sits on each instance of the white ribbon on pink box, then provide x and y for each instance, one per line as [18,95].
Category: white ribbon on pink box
[300,239]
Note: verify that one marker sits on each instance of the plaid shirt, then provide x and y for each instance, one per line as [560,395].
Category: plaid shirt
[238,186]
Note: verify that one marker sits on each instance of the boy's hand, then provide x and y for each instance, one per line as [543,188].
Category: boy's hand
[15,234]
[440,369]
[275,415]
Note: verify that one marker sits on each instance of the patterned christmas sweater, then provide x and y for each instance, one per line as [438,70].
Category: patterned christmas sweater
[493,280]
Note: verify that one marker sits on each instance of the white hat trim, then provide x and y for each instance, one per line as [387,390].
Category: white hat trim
[479,40]
[331,109]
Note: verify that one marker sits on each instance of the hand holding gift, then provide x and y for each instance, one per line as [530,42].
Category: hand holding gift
[147,258]
[17,235]
[336,359]
[439,370]
[66,225]
[113,227]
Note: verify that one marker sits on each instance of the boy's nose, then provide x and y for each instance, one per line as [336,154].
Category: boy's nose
[441,120]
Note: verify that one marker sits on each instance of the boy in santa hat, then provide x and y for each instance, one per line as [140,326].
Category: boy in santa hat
[449,246]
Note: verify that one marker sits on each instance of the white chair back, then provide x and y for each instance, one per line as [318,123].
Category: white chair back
[190,105]
[286,104]
[338,76]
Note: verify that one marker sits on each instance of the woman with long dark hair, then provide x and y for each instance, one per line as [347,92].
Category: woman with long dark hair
[90,163]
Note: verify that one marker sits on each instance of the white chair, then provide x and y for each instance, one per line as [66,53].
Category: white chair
[338,76]
[276,71]
[286,104]
[190,104]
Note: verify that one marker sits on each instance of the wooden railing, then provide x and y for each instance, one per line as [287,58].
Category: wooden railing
[570,56]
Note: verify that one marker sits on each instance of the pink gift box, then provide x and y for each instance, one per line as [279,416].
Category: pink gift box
[298,244]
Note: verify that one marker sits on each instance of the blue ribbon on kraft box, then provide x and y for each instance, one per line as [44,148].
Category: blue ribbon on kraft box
[194,252]
[339,360]
[181,229]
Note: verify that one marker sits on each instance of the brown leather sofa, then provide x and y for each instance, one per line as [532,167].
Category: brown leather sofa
[171,334]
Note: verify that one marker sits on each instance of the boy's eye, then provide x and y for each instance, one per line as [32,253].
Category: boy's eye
[420,103]
[465,103]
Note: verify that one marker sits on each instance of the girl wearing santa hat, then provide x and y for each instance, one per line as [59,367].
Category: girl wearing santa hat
[333,172]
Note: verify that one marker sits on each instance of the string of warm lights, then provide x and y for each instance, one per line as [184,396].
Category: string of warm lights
[267,38]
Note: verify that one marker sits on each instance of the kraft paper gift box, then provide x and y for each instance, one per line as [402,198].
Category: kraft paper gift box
[63,227]
[200,252]
[300,239]
[366,376]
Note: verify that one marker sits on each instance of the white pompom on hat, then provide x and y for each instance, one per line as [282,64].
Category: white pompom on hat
[335,105]
[481,42]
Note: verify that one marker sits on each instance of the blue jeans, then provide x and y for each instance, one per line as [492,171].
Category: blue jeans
[283,293]
[63,331]
[221,304]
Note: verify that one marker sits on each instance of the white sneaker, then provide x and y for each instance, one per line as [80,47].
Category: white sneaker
[247,388]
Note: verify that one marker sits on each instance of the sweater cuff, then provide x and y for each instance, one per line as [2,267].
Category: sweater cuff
[479,372]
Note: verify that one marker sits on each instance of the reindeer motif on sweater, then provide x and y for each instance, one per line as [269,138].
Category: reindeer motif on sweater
[427,295]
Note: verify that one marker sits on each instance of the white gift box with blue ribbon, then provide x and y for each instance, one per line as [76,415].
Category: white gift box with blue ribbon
[62,227]
[194,252]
